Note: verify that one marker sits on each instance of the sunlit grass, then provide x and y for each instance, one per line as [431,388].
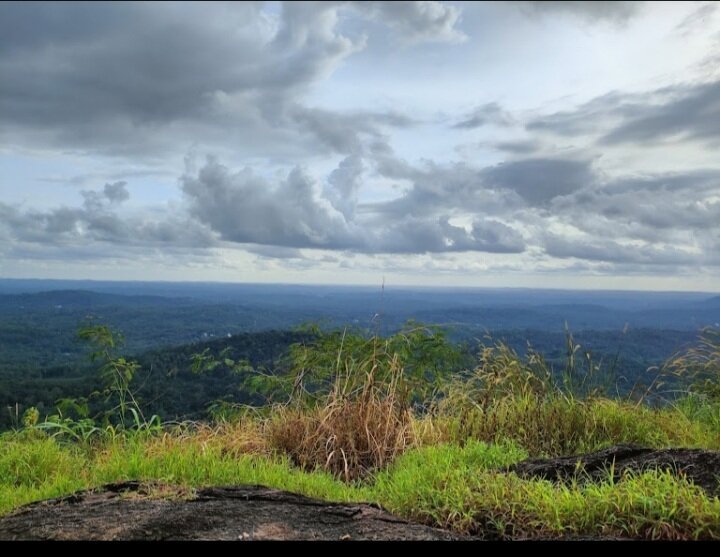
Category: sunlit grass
[463,488]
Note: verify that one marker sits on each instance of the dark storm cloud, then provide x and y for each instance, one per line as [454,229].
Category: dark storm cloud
[490,113]
[692,113]
[591,11]
[540,180]
[679,112]
[144,79]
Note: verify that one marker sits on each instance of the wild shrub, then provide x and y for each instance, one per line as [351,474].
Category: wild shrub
[351,398]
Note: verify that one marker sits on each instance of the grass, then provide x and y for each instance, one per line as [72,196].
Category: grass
[361,440]
[555,426]
[193,458]
[461,488]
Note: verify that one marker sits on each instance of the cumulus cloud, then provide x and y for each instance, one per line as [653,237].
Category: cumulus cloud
[116,192]
[439,188]
[310,172]
[296,213]
[347,133]
[422,235]
[564,208]
[344,184]
[243,207]
[97,220]
[649,207]
[661,219]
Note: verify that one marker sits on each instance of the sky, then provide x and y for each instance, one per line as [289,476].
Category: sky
[532,144]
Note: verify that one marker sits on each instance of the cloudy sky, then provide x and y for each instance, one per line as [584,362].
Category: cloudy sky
[562,144]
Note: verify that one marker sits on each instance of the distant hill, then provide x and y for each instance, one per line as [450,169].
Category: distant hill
[81,299]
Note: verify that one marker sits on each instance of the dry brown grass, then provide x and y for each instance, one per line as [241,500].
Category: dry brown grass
[359,427]
[234,439]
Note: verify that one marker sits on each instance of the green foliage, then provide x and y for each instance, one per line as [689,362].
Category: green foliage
[341,361]
[204,362]
[508,396]
[350,398]
[116,372]
[700,364]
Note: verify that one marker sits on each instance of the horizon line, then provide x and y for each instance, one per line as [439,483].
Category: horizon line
[384,284]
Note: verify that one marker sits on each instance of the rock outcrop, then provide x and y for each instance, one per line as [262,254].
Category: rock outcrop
[699,466]
[135,511]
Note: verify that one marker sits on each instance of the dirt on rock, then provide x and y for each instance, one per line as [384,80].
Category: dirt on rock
[137,511]
[699,466]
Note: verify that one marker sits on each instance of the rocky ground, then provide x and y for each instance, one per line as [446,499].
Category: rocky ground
[700,466]
[146,511]
[134,511]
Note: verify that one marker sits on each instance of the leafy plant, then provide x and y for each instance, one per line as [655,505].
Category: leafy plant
[116,373]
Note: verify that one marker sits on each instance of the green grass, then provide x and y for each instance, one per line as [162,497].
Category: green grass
[555,425]
[458,487]
[462,489]
[33,469]
[446,468]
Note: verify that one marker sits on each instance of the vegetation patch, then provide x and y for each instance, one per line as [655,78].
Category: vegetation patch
[378,420]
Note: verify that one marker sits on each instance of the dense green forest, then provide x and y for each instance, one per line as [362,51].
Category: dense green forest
[42,360]
[167,386]
[165,382]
